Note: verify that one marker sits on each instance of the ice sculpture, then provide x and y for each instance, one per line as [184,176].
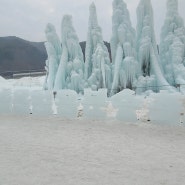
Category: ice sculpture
[151,77]
[54,51]
[97,61]
[71,69]
[172,46]
[122,48]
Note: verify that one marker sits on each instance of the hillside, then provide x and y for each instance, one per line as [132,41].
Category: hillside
[17,54]
[20,55]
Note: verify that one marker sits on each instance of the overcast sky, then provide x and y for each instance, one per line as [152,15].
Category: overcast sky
[27,18]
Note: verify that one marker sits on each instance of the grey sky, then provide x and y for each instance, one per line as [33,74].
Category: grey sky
[27,18]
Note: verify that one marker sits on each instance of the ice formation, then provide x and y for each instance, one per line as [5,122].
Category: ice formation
[172,46]
[97,61]
[71,69]
[136,63]
[122,48]
[54,51]
[151,77]
[65,65]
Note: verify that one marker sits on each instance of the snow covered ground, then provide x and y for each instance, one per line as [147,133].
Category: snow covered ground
[55,151]
[50,150]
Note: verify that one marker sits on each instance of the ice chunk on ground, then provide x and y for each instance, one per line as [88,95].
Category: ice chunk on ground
[41,102]
[21,102]
[5,101]
[127,103]
[95,103]
[67,104]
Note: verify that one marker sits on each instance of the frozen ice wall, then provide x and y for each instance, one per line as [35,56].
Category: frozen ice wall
[97,61]
[151,77]
[70,72]
[54,51]
[122,48]
[172,46]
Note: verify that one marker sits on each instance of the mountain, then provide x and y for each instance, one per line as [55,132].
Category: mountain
[20,55]
[17,55]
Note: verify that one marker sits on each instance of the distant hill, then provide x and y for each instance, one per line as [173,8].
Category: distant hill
[17,54]
[20,55]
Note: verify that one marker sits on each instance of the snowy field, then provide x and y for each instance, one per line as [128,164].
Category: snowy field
[52,150]
[55,151]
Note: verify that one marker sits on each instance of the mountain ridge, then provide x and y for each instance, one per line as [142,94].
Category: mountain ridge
[17,55]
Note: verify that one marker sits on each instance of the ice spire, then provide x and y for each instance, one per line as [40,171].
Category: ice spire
[151,75]
[93,23]
[71,68]
[145,36]
[54,51]
[172,46]
[122,48]
[97,63]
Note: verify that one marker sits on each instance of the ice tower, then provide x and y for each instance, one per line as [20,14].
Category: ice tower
[122,48]
[71,69]
[54,51]
[172,46]
[97,61]
[151,77]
